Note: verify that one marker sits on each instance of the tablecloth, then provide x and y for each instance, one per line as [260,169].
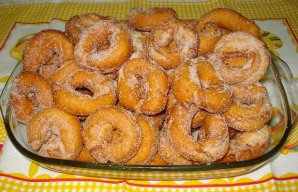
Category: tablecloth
[18,21]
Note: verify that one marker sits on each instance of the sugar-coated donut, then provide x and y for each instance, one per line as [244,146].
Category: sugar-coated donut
[214,139]
[30,94]
[55,133]
[64,71]
[82,92]
[148,19]
[78,23]
[251,109]
[142,87]
[47,51]
[168,153]
[208,36]
[240,58]
[209,94]
[171,44]
[104,46]
[248,145]
[149,143]
[111,134]
[228,19]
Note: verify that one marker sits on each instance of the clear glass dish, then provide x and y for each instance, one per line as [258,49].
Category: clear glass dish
[280,84]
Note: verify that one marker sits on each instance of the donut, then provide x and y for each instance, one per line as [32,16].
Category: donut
[85,156]
[142,87]
[208,37]
[56,134]
[248,145]
[78,23]
[82,92]
[149,143]
[171,44]
[210,94]
[113,141]
[148,19]
[157,160]
[240,58]
[214,139]
[46,52]
[104,47]
[198,117]
[228,19]
[64,71]
[251,109]
[30,94]
[167,152]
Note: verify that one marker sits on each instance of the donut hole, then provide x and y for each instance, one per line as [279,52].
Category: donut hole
[103,46]
[110,133]
[237,59]
[84,90]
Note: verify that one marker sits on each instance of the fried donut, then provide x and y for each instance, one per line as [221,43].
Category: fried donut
[240,58]
[56,134]
[142,87]
[149,143]
[198,117]
[228,19]
[112,134]
[171,44]
[64,71]
[208,37]
[104,46]
[47,51]
[85,156]
[30,94]
[146,20]
[251,109]
[211,146]
[78,23]
[82,92]
[188,88]
[157,160]
[248,145]
[167,152]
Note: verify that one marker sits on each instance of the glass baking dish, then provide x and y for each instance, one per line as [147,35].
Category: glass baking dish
[280,85]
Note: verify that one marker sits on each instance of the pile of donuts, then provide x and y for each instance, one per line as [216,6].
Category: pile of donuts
[150,90]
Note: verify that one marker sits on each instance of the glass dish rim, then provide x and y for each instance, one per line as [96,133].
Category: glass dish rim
[167,168]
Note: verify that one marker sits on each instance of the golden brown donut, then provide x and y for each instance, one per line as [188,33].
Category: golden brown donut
[142,87]
[85,156]
[248,145]
[64,71]
[83,92]
[214,139]
[198,117]
[55,133]
[78,23]
[30,94]
[149,143]
[104,46]
[112,134]
[157,160]
[47,51]
[240,58]
[168,153]
[208,37]
[148,19]
[171,44]
[210,94]
[228,19]
[251,108]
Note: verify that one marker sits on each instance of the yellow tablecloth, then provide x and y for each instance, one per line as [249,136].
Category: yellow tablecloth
[10,14]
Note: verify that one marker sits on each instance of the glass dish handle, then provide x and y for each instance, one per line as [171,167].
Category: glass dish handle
[290,84]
